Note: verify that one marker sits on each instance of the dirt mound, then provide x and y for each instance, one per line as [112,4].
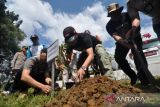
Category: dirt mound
[92,92]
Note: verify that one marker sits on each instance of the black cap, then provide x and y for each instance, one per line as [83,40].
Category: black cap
[68,31]
[87,31]
[33,36]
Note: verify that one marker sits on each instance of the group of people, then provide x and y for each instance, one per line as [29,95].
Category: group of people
[124,27]
[30,68]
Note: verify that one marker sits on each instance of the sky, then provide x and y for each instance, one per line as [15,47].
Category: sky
[48,18]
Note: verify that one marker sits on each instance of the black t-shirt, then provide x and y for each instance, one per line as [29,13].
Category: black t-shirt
[37,68]
[84,42]
[120,27]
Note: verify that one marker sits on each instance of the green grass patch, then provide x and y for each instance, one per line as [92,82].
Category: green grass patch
[24,100]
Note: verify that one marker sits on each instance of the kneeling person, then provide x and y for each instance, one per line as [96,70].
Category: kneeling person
[88,44]
[34,74]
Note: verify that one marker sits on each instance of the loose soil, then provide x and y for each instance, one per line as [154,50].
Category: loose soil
[93,92]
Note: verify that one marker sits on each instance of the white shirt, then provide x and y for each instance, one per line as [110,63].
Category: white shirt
[35,50]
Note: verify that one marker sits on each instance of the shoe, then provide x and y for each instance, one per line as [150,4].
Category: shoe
[145,83]
[6,92]
[133,81]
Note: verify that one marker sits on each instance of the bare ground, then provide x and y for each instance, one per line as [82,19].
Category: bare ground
[95,92]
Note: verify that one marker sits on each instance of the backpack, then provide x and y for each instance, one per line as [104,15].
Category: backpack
[29,54]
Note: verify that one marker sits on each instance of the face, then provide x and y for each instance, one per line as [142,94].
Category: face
[34,40]
[116,16]
[73,40]
[43,57]
[24,49]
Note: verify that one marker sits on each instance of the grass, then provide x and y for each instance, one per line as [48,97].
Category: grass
[31,100]
[25,99]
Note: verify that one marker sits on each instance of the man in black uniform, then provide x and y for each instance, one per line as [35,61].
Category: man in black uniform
[89,44]
[118,27]
[148,7]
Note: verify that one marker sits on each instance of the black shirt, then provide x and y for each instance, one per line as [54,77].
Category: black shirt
[84,42]
[120,27]
[37,68]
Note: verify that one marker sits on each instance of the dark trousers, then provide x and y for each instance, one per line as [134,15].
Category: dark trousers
[120,57]
[156,28]
[18,85]
[21,86]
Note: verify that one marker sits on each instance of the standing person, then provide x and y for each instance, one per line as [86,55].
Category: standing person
[89,44]
[35,48]
[34,74]
[18,60]
[16,67]
[118,27]
[148,7]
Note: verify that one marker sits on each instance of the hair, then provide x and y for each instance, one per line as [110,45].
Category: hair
[34,36]
[44,50]
[24,47]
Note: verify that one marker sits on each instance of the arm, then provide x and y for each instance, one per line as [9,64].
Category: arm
[14,60]
[134,17]
[120,40]
[136,22]
[32,82]
[111,29]
[98,38]
[89,58]
[86,63]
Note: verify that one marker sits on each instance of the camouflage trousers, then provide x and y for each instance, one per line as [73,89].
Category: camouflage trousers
[104,61]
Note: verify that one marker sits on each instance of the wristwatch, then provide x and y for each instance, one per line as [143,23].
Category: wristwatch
[84,68]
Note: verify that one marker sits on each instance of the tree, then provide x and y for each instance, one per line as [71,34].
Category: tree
[10,33]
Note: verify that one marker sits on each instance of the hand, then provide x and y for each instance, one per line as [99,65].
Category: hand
[46,89]
[48,81]
[80,73]
[74,77]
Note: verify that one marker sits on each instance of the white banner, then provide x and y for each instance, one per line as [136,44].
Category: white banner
[53,51]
